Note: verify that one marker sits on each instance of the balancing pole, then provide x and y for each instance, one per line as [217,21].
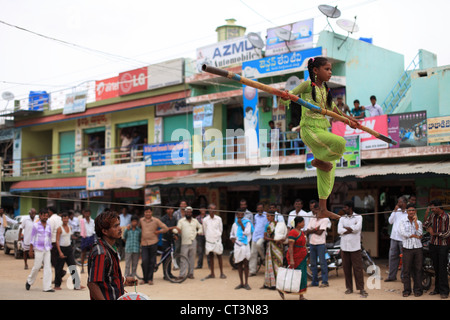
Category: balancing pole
[288,96]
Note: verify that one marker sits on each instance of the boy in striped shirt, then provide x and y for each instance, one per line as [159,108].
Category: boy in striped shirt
[105,281]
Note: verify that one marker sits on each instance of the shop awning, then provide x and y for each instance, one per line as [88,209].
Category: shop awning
[77,183]
[383,171]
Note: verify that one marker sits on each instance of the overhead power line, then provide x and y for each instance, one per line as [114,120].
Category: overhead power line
[98,52]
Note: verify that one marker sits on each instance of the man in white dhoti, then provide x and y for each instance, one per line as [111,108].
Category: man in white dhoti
[241,234]
[212,229]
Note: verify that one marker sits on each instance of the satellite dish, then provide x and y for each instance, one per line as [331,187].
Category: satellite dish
[284,34]
[255,40]
[8,96]
[349,26]
[292,82]
[330,12]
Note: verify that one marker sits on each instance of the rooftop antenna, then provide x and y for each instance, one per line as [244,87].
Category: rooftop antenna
[330,12]
[349,26]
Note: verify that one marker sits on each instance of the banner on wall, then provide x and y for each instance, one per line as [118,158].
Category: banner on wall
[167,154]
[107,89]
[350,159]
[203,115]
[368,141]
[75,102]
[251,122]
[301,38]
[127,175]
[408,129]
[438,129]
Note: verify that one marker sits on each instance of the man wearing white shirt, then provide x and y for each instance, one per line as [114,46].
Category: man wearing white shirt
[411,230]
[298,211]
[248,214]
[374,109]
[349,227]
[278,216]
[212,230]
[317,230]
[257,246]
[395,250]
[26,227]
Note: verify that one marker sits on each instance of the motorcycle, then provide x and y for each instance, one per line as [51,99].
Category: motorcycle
[332,257]
[334,260]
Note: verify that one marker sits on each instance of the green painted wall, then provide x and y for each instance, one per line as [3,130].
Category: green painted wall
[369,70]
[430,90]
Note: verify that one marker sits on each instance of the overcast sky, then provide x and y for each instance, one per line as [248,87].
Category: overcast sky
[143,32]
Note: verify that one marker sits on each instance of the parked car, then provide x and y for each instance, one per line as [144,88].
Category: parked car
[12,239]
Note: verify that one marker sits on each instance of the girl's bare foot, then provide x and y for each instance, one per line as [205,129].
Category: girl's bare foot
[324,213]
[322,165]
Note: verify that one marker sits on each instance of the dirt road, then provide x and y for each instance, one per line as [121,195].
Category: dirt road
[13,277]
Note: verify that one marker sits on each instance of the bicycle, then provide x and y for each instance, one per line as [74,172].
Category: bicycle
[173,265]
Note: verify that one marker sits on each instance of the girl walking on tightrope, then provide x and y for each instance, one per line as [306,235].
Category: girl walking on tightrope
[325,146]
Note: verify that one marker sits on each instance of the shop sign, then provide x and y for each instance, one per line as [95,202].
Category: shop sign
[203,115]
[167,154]
[107,89]
[439,129]
[127,175]
[164,74]
[280,64]
[227,53]
[133,81]
[172,108]
[75,102]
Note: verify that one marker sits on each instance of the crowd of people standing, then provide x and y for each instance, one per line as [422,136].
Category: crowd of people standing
[267,236]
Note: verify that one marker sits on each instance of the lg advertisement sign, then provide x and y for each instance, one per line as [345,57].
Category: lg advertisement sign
[133,81]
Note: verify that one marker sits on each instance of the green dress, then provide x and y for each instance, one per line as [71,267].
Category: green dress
[314,130]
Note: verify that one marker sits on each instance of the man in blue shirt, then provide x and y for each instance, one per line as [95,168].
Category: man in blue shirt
[257,246]
[357,111]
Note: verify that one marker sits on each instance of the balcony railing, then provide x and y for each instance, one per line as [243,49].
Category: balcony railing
[74,162]
[78,161]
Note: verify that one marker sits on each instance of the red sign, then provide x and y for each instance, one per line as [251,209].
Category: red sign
[133,81]
[106,89]
[368,142]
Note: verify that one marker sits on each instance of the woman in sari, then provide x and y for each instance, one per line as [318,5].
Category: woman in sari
[274,254]
[296,255]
